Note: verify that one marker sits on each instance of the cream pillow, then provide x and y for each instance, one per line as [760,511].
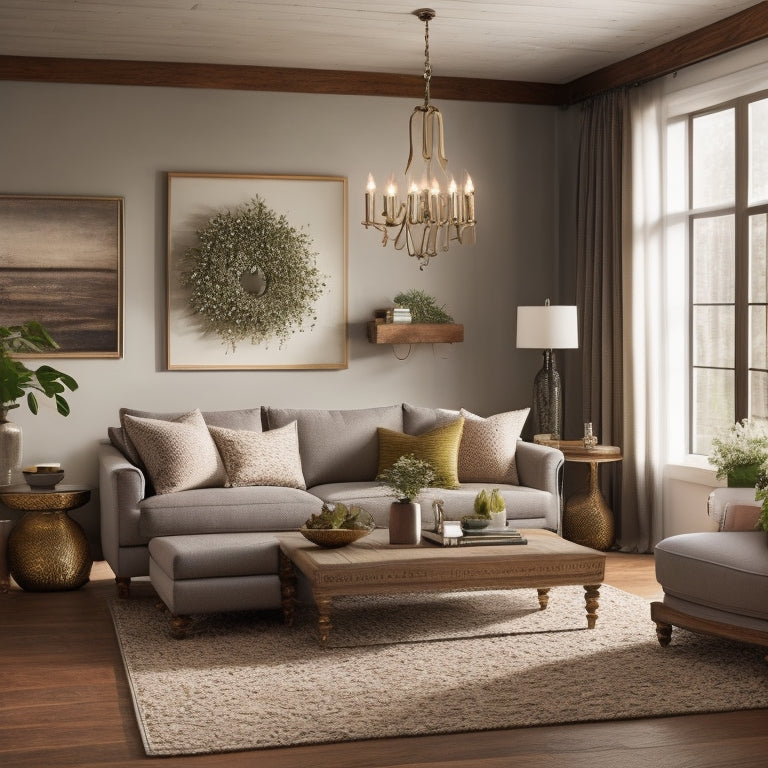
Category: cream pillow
[487,451]
[261,458]
[179,455]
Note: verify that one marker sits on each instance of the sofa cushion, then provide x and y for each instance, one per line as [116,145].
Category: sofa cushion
[440,447]
[246,418]
[178,455]
[337,446]
[260,458]
[226,510]
[418,418]
[526,507]
[487,451]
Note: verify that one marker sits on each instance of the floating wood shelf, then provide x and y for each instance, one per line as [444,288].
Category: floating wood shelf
[414,333]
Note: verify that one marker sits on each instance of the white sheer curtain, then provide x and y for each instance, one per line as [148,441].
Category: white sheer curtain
[645,341]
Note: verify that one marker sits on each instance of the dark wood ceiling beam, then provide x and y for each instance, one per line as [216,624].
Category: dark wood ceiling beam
[232,77]
[738,30]
[733,32]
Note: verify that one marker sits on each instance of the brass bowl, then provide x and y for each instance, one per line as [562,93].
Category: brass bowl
[43,478]
[332,538]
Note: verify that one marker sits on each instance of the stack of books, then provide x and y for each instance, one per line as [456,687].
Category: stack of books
[454,536]
[398,315]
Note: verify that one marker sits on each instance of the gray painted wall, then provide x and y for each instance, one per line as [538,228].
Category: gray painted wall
[111,140]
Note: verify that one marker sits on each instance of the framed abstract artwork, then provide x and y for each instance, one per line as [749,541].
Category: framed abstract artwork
[61,262]
[256,272]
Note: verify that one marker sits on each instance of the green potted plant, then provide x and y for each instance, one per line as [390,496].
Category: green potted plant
[739,451]
[16,380]
[761,494]
[406,478]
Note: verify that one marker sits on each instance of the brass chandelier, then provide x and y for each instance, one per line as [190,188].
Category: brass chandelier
[435,210]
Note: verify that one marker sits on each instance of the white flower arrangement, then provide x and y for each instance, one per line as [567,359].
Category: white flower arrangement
[743,443]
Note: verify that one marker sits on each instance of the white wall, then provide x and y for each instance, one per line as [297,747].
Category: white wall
[111,140]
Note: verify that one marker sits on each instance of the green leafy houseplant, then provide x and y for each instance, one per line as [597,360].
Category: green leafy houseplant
[407,476]
[743,444]
[424,308]
[761,494]
[16,378]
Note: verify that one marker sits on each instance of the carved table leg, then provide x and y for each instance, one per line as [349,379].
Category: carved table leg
[591,595]
[323,618]
[123,586]
[543,598]
[287,589]
[663,633]
[179,626]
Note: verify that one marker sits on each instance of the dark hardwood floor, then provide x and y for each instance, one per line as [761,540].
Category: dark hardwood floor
[64,701]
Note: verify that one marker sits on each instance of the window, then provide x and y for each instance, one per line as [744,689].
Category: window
[727,179]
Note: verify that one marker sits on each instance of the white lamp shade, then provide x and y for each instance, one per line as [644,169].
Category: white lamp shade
[547,327]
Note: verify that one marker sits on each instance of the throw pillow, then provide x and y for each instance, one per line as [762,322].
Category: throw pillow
[487,452]
[440,447]
[179,455]
[261,458]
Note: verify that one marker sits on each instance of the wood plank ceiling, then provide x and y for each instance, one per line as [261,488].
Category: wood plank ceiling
[539,51]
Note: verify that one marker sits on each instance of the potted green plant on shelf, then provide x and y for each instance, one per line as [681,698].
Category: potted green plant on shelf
[424,308]
[406,478]
[738,452]
[16,380]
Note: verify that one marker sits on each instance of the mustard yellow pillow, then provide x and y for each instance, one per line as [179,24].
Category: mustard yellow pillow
[440,447]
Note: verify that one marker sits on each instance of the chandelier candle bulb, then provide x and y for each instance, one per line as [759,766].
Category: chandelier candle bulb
[370,200]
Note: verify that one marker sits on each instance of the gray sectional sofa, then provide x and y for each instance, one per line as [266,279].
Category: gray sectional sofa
[336,459]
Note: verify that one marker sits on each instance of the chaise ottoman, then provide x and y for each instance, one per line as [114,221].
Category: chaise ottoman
[208,573]
[715,583]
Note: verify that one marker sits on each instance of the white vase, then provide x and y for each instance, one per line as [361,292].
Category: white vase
[498,521]
[404,522]
[10,449]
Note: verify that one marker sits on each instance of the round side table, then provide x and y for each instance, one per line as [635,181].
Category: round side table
[587,518]
[47,549]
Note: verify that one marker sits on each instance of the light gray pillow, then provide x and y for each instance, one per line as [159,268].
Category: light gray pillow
[260,458]
[178,455]
[338,446]
[418,419]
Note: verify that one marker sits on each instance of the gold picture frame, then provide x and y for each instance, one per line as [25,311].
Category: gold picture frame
[61,264]
[314,205]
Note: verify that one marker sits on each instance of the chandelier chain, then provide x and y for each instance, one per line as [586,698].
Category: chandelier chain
[427,65]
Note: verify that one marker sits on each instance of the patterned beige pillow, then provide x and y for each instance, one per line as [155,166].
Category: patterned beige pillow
[261,458]
[487,450]
[179,454]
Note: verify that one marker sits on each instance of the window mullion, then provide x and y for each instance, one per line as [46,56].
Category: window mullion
[741,342]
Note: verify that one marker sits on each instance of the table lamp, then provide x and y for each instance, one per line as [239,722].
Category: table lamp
[547,327]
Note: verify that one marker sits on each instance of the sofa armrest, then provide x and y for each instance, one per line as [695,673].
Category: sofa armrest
[121,487]
[540,467]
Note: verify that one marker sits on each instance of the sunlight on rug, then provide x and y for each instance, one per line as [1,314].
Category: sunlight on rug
[417,665]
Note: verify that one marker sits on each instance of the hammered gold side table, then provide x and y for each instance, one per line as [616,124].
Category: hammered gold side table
[47,549]
[587,518]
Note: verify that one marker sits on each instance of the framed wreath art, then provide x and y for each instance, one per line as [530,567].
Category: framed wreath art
[253,277]
[256,272]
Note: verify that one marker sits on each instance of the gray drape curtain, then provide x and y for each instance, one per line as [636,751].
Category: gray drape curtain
[602,173]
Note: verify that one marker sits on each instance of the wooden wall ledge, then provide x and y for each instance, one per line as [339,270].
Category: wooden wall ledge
[414,333]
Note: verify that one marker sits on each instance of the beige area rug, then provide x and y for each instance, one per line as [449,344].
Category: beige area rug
[415,665]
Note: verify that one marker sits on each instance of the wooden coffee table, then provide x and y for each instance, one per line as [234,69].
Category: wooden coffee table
[372,566]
